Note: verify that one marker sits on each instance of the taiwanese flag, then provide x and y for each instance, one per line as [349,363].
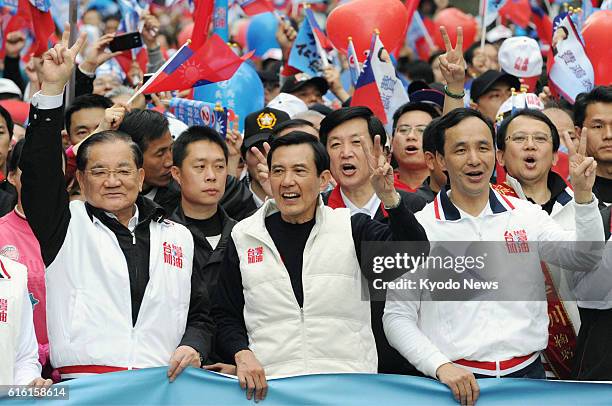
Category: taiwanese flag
[366,90]
[254,7]
[213,62]
[322,39]
[543,23]
[201,20]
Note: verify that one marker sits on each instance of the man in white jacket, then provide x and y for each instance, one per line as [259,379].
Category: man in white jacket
[452,341]
[290,299]
[18,345]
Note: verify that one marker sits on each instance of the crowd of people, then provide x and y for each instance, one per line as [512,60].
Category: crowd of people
[131,240]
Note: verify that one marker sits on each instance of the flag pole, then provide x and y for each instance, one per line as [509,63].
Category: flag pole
[157,73]
[428,38]
[483,24]
[73,36]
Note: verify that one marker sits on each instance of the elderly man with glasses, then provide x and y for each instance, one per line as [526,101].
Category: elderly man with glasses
[121,292]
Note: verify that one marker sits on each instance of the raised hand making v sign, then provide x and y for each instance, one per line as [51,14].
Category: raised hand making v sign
[58,63]
[381,173]
[582,168]
[452,66]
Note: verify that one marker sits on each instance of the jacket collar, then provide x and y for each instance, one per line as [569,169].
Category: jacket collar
[335,201]
[226,226]
[560,191]
[148,211]
[445,210]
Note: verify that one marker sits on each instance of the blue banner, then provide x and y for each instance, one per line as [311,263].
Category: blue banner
[304,54]
[199,387]
[194,112]
[220,25]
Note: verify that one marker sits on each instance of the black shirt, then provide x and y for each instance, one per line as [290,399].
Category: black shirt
[208,227]
[556,185]
[290,240]
[228,306]
[603,189]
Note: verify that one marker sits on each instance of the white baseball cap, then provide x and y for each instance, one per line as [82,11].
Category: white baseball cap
[9,87]
[521,101]
[288,103]
[521,57]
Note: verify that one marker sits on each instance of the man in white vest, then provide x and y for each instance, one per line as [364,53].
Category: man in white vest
[290,298]
[121,292]
[18,345]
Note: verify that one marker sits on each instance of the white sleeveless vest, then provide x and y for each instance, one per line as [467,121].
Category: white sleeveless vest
[13,284]
[332,332]
[89,315]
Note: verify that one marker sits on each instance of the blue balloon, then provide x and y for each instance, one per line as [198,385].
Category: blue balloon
[243,92]
[261,33]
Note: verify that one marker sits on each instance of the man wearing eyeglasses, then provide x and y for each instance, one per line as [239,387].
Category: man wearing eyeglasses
[528,145]
[409,123]
[121,292]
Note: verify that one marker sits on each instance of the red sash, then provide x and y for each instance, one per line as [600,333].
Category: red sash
[561,335]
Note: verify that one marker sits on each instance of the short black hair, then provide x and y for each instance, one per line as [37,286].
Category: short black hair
[429,139]
[337,117]
[468,55]
[419,70]
[9,121]
[536,115]
[194,134]
[414,106]
[439,126]
[297,138]
[600,94]
[293,123]
[12,163]
[103,137]
[144,126]
[434,55]
[86,101]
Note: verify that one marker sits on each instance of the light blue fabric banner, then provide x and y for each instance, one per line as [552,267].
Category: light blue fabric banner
[199,387]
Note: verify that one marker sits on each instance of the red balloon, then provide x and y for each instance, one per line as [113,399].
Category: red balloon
[359,18]
[596,33]
[451,18]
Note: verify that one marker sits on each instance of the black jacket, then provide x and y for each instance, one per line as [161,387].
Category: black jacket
[593,359]
[237,201]
[8,197]
[206,261]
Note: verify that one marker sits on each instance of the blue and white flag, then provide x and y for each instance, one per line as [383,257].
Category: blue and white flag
[493,7]
[572,72]
[353,61]
[194,112]
[308,54]
[220,24]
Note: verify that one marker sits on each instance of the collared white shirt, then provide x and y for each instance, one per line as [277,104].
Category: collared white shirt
[370,208]
[256,199]
[431,333]
[133,221]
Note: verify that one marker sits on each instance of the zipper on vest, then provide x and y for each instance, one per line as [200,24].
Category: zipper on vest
[133,238]
[303,338]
